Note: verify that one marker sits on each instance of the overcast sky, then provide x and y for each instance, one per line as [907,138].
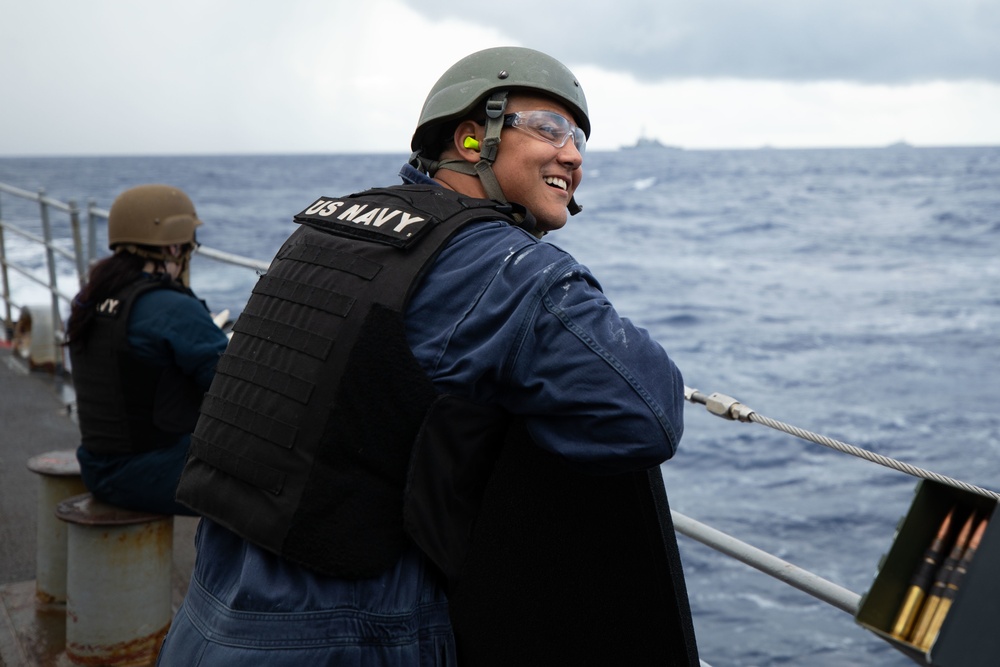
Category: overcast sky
[113,77]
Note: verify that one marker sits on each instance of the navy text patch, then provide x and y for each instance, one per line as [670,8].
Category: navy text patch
[361,219]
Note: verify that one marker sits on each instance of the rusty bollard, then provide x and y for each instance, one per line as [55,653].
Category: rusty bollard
[58,479]
[117,584]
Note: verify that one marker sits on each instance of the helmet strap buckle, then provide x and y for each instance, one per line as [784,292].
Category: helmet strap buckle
[495,107]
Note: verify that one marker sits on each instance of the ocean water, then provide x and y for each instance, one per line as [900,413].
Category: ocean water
[850,292]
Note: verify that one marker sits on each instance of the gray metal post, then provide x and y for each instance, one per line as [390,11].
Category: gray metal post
[91,233]
[781,570]
[8,321]
[74,221]
[50,260]
[59,478]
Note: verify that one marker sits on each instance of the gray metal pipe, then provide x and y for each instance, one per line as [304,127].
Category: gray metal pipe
[4,284]
[50,261]
[805,581]
[74,222]
[91,232]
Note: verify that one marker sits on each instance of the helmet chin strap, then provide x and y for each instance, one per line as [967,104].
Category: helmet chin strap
[183,259]
[495,107]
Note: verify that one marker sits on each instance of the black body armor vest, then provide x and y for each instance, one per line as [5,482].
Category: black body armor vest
[304,440]
[306,448]
[128,405]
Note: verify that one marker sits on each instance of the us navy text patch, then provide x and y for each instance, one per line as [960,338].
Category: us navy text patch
[365,219]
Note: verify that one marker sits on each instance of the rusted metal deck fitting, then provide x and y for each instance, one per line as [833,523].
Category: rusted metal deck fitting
[118,583]
[58,479]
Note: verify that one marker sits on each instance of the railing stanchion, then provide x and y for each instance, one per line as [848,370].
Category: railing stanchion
[91,232]
[74,221]
[8,321]
[50,260]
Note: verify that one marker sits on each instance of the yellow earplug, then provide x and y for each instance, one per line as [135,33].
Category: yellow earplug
[470,142]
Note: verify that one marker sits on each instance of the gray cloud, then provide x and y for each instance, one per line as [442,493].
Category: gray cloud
[863,41]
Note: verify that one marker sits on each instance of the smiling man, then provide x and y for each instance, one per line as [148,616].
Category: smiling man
[437,443]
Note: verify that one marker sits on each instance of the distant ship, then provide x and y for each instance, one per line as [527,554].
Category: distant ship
[649,143]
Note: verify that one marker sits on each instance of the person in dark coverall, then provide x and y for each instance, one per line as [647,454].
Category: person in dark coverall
[356,459]
[143,350]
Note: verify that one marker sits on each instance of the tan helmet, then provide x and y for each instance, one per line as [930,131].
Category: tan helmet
[152,215]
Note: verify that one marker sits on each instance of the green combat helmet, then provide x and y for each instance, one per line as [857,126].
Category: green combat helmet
[486,77]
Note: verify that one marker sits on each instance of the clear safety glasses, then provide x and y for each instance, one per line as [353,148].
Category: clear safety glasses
[547,126]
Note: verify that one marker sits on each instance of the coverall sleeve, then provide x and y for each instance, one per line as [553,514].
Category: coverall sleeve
[504,319]
[598,389]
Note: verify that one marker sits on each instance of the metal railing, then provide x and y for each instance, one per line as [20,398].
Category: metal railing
[46,206]
[54,239]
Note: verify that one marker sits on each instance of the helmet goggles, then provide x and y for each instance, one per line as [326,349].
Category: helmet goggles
[547,126]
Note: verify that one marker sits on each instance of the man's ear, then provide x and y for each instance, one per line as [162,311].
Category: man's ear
[466,139]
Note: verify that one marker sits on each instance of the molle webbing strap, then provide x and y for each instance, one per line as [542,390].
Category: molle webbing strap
[259,426]
[294,386]
[306,342]
[244,468]
[304,294]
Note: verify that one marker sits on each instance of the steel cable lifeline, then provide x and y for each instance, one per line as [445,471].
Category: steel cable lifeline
[728,407]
